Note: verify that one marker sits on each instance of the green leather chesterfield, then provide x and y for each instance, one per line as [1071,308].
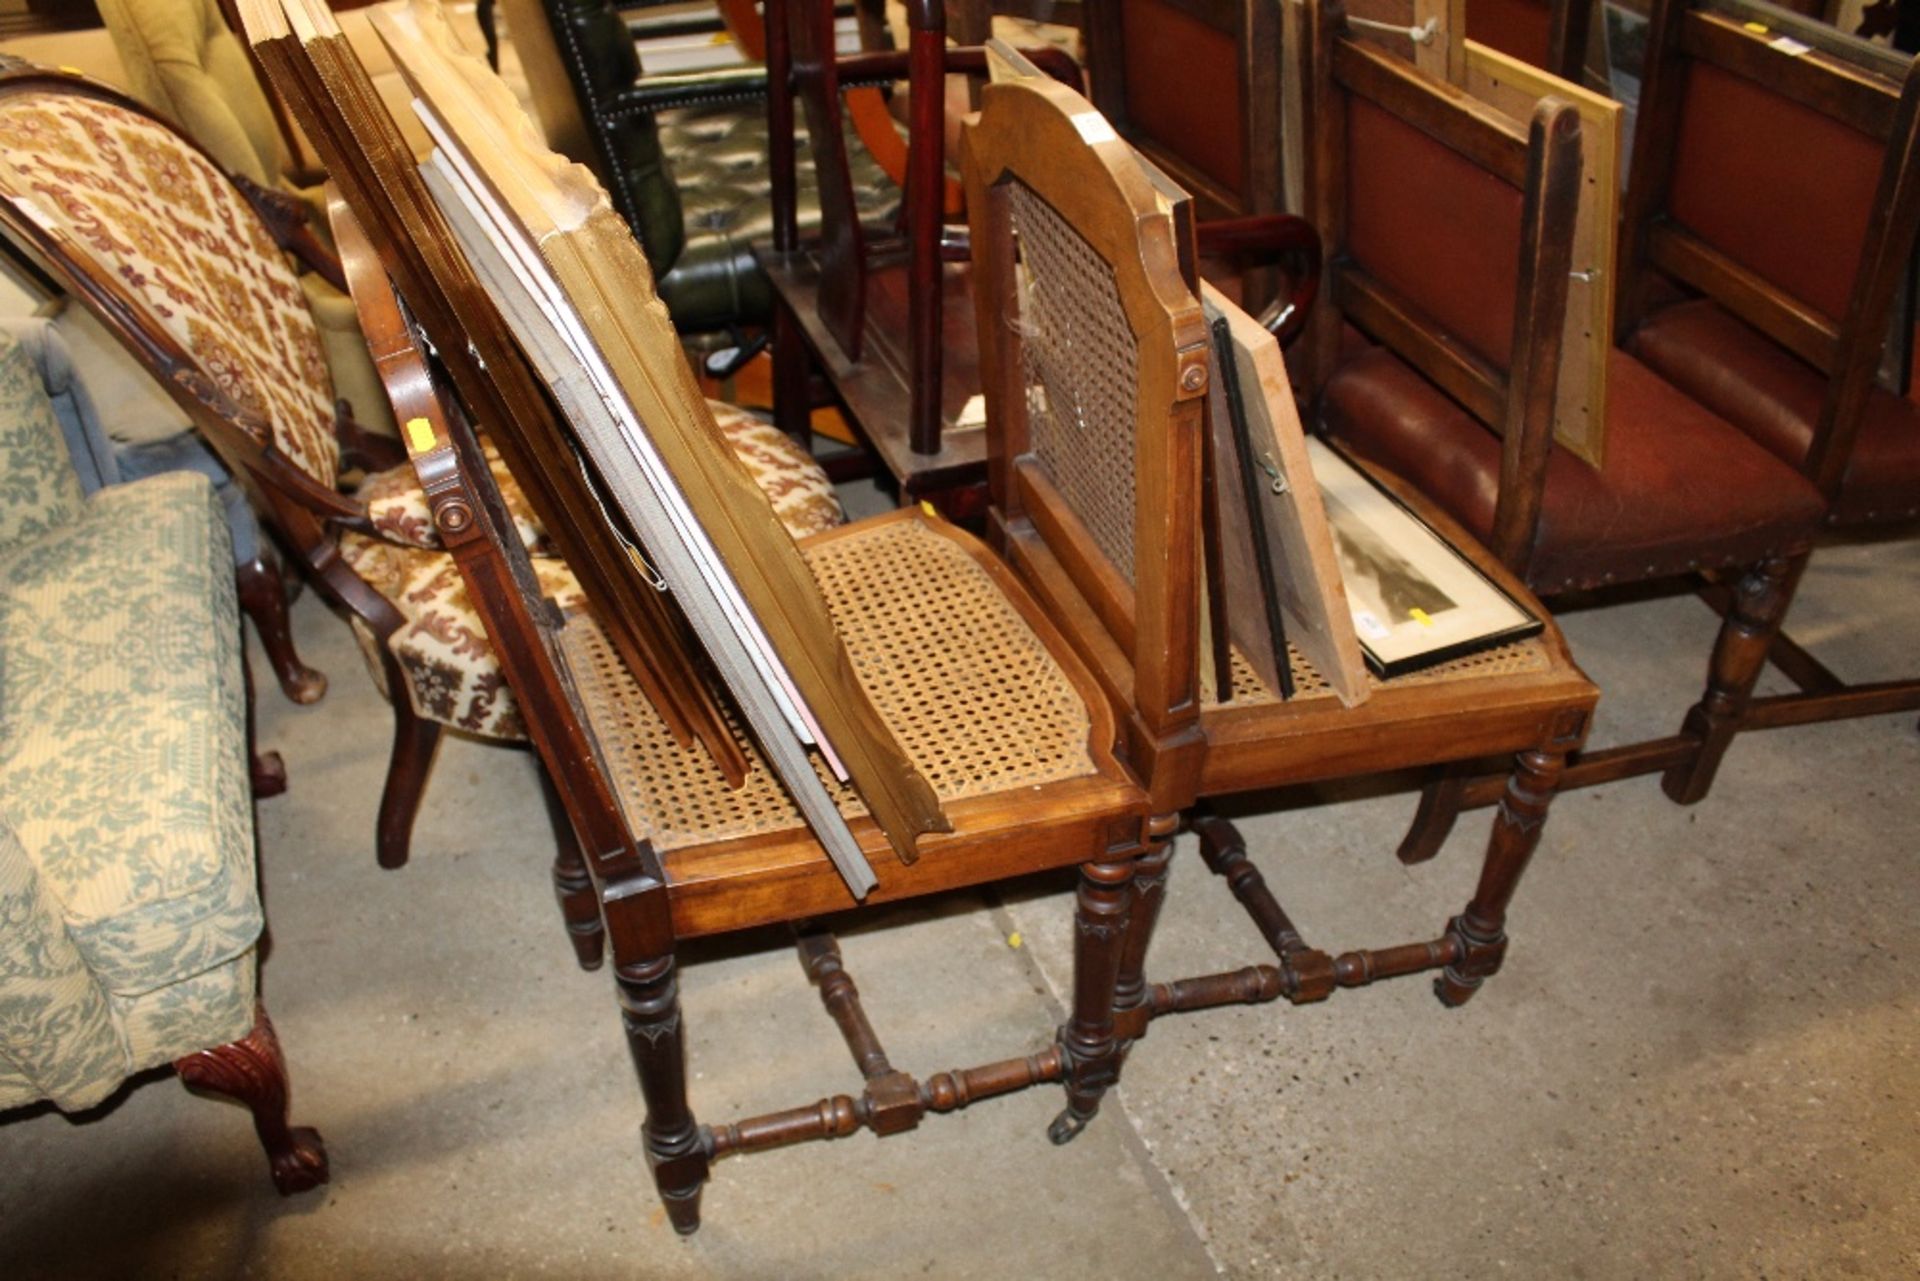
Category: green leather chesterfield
[684,157]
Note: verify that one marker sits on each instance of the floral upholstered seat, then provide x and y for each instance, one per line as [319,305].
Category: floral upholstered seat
[181,264]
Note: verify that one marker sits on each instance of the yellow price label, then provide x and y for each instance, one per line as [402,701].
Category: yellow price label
[1421,616]
[419,435]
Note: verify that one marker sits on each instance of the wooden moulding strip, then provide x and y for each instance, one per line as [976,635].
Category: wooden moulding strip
[598,269]
[1312,597]
[317,72]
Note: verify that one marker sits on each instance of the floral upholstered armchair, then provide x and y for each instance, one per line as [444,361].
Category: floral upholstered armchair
[191,272]
[129,910]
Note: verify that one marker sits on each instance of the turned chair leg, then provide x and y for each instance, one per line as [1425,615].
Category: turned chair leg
[266,772]
[1760,601]
[1479,933]
[1149,892]
[263,595]
[415,739]
[579,905]
[1433,820]
[792,407]
[676,1150]
[253,1071]
[1088,1041]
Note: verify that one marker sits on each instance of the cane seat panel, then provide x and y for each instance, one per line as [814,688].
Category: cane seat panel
[1518,659]
[977,698]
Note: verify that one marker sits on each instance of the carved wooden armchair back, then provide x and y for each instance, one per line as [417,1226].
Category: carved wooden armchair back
[1094,358]
[150,229]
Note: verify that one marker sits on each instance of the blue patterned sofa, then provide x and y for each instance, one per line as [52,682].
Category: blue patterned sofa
[129,909]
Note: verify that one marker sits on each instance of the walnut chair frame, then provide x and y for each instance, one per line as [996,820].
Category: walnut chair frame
[646,889]
[1733,262]
[1116,557]
[308,516]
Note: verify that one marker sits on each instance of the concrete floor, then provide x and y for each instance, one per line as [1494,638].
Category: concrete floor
[1699,1061]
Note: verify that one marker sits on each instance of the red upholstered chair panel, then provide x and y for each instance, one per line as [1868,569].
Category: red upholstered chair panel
[1775,397]
[1681,489]
[1436,228]
[1517,27]
[1183,88]
[1781,189]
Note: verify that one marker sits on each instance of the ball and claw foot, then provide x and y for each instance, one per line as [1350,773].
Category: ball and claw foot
[301,1165]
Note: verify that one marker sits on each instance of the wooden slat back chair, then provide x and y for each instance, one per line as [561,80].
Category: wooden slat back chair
[1448,230]
[1783,192]
[984,695]
[886,320]
[1095,388]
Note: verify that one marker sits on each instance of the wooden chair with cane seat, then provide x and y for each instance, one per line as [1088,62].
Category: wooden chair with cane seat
[1448,241]
[987,702]
[1781,192]
[1096,383]
[178,262]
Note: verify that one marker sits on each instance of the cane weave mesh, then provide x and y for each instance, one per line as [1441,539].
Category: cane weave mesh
[1081,369]
[1517,659]
[968,688]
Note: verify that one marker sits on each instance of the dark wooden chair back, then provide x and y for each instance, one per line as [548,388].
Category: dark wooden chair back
[912,376]
[842,246]
[1549,34]
[1446,233]
[1094,356]
[1195,84]
[1784,186]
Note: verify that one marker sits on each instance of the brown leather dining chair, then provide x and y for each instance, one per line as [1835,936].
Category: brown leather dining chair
[1436,255]
[1770,225]
[1096,383]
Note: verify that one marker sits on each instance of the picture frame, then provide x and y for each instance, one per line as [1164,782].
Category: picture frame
[1416,600]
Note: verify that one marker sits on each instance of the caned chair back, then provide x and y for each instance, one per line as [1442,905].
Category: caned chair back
[1093,352]
[142,222]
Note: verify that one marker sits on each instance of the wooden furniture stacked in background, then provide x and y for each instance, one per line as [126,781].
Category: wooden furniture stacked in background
[1197,88]
[1783,190]
[953,655]
[870,316]
[1096,388]
[886,319]
[683,156]
[1449,237]
[1549,34]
